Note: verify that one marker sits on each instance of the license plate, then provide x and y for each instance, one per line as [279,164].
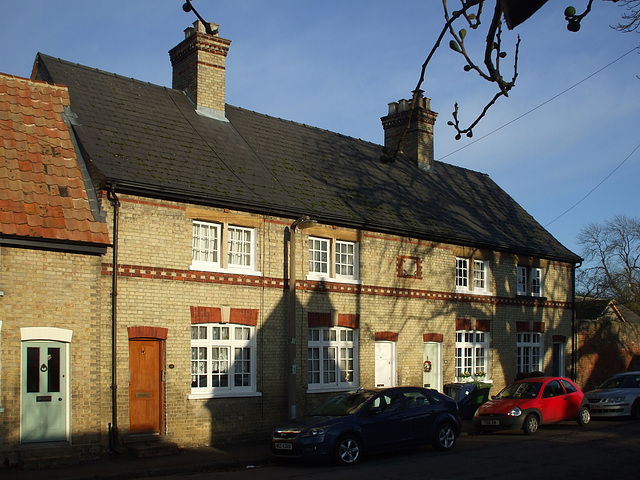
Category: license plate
[284,446]
[490,422]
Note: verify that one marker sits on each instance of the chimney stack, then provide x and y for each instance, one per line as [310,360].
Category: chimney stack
[199,68]
[412,128]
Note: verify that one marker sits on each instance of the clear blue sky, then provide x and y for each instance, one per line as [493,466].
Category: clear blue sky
[337,64]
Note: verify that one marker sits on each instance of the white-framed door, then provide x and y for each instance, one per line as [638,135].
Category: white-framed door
[386,364]
[432,365]
[44,387]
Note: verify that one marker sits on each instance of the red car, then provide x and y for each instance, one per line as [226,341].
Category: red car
[531,402]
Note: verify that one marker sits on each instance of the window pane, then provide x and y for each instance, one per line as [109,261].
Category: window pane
[479,275]
[33,369]
[219,367]
[53,369]
[205,242]
[242,367]
[462,272]
[329,364]
[242,333]
[314,365]
[239,246]
[522,281]
[198,367]
[346,364]
[536,282]
[318,255]
[345,258]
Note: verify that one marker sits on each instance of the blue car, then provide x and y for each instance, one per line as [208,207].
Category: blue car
[352,424]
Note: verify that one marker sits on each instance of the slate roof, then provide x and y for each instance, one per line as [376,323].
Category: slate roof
[148,140]
[42,190]
[595,308]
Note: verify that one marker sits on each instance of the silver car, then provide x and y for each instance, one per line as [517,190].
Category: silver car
[618,396]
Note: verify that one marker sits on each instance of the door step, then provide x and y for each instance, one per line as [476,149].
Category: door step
[157,448]
[40,455]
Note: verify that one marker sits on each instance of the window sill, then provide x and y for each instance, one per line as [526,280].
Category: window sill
[320,278]
[531,297]
[331,389]
[478,380]
[216,269]
[465,291]
[205,396]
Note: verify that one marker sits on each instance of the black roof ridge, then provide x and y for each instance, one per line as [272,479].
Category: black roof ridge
[105,72]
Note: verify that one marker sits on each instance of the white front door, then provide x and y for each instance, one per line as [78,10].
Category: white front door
[43,415]
[432,365]
[385,364]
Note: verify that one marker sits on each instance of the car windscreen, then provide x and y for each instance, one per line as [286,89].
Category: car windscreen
[521,390]
[343,404]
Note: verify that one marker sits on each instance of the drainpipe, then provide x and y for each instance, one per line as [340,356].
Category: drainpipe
[301,223]
[113,426]
[574,334]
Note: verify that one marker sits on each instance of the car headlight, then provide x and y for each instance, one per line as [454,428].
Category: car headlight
[515,412]
[315,432]
[613,400]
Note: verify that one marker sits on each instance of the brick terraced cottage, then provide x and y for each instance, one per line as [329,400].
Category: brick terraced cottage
[258,265]
[52,242]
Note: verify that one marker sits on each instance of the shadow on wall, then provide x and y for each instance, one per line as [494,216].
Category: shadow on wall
[606,347]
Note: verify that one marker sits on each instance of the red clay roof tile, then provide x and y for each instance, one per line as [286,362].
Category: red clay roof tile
[42,192]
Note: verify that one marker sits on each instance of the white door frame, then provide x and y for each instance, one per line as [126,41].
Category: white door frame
[433,377]
[43,335]
[386,363]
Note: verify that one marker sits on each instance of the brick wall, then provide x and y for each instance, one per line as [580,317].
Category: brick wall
[606,346]
[157,288]
[60,290]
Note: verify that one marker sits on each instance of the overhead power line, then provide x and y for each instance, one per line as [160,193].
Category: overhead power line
[539,106]
[594,188]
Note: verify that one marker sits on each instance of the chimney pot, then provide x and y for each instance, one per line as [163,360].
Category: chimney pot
[409,129]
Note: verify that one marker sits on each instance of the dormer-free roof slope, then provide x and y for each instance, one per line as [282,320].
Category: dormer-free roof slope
[43,196]
[149,140]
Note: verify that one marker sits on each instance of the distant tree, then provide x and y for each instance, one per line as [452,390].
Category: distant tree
[631,19]
[612,255]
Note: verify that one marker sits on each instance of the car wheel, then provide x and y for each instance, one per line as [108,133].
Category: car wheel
[348,450]
[531,424]
[635,409]
[584,416]
[445,437]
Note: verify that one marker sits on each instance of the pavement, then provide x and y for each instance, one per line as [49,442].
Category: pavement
[236,456]
[126,466]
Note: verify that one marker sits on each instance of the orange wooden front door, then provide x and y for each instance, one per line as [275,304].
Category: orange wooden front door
[145,386]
